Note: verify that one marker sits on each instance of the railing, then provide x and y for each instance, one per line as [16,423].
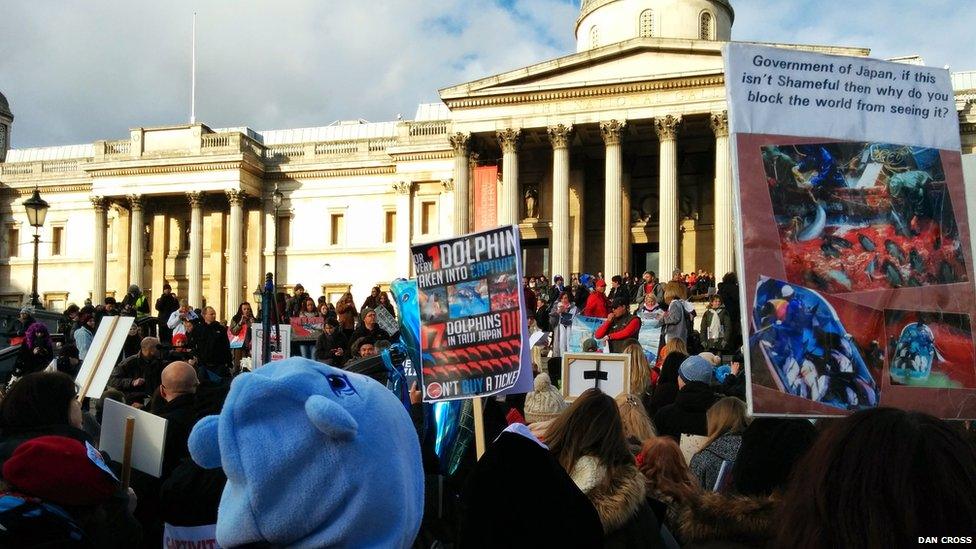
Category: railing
[380,145]
[215,140]
[60,166]
[284,153]
[337,147]
[117,147]
[17,169]
[425,129]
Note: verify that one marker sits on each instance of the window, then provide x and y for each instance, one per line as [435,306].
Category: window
[705,32]
[13,241]
[428,216]
[646,23]
[594,37]
[338,229]
[57,240]
[283,231]
[390,235]
[55,301]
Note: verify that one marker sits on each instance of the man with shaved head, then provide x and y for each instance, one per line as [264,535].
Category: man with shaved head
[178,395]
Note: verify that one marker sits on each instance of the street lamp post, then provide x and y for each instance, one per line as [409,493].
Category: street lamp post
[276,200]
[36,213]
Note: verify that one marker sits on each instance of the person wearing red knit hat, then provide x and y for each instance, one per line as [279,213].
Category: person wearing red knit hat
[60,492]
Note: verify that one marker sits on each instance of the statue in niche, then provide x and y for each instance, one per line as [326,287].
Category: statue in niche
[648,208]
[532,203]
[689,203]
[147,239]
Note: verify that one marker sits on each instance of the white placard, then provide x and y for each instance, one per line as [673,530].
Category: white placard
[105,349]
[798,93]
[608,372]
[190,536]
[257,342]
[148,438]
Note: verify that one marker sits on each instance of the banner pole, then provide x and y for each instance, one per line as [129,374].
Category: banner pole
[98,360]
[130,426]
[479,428]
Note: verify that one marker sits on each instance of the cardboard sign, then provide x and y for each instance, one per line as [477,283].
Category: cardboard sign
[195,537]
[102,355]
[608,372]
[306,328]
[148,440]
[855,252]
[257,342]
[386,321]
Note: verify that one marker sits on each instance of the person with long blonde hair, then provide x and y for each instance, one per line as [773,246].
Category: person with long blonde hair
[726,422]
[670,485]
[636,423]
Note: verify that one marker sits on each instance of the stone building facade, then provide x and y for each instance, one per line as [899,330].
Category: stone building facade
[614,158]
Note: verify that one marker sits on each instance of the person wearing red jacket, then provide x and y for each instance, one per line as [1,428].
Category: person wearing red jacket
[620,326]
[597,304]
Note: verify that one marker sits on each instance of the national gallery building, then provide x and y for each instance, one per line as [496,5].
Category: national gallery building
[614,158]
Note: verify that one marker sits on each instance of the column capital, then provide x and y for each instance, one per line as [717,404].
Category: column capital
[447,185]
[612,131]
[560,135]
[402,187]
[460,142]
[509,139]
[136,202]
[720,123]
[235,196]
[195,198]
[666,127]
[99,203]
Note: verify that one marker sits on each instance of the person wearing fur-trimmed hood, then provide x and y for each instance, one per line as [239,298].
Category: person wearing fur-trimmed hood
[588,441]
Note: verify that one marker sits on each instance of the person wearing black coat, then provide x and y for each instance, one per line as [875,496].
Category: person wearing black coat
[331,345]
[165,305]
[210,343]
[695,397]
[369,328]
[517,463]
[667,385]
[728,289]
[177,404]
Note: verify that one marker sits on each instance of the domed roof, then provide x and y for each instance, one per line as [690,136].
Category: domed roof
[724,3]
[5,107]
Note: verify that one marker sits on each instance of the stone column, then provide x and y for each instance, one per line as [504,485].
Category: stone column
[509,140]
[194,269]
[667,133]
[613,259]
[460,143]
[724,231]
[99,250]
[136,230]
[404,197]
[560,136]
[235,251]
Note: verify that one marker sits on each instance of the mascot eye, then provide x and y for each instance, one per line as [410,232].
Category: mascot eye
[340,385]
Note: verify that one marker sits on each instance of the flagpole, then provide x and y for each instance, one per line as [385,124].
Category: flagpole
[193,73]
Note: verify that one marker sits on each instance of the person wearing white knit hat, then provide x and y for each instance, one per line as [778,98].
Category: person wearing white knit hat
[545,402]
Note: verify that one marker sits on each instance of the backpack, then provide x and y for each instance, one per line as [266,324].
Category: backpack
[29,522]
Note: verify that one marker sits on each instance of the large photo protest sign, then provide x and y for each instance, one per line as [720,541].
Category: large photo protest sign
[473,334]
[856,261]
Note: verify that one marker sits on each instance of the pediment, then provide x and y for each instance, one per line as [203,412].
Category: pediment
[636,60]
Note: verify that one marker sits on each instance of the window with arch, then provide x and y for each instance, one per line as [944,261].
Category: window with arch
[594,37]
[705,29]
[646,23]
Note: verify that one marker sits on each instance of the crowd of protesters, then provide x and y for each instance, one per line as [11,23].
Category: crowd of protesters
[310,454]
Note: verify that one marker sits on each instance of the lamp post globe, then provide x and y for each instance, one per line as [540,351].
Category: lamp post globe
[36,214]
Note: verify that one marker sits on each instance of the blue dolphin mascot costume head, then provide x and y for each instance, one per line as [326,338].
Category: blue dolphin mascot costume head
[315,457]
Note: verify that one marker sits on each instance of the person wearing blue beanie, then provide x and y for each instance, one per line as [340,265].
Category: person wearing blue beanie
[314,457]
[696,368]
[695,396]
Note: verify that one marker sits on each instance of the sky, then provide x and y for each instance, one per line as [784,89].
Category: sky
[76,72]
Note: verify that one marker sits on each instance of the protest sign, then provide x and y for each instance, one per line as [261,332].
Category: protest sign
[306,328]
[102,355]
[855,251]
[608,372]
[257,343]
[405,294]
[178,537]
[149,436]
[386,321]
[582,329]
[237,341]
[472,313]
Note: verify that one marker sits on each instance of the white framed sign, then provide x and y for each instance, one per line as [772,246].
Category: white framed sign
[605,371]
